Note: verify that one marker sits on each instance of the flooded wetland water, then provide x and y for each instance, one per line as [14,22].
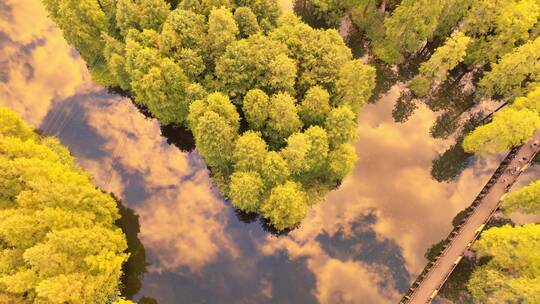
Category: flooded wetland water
[363,244]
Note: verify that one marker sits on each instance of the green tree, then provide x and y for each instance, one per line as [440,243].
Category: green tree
[412,23]
[215,138]
[11,125]
[499,27]
[141,14]
[267,11]
[82,22]
[316,157]
[222,31]
[341,126]
[163,91]
[247,21]
[530,102]
[315,106]
[445,59]
[184,31]
[249,152]
[255,62]
[204,7]
[58,241]
[217,103]
[355,82]
[318,63]
[275,170]
[341,162]
[513,272]
[256,105]
[296,153]
[246,191]
[283,118]
[286,206]
[525,200]
[509,128]
[514,73]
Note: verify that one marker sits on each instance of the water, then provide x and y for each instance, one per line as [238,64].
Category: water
[363,244]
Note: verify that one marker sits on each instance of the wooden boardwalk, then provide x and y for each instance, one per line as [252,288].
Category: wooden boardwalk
[432,278]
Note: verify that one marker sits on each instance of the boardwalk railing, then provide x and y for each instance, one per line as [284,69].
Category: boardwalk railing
[469,211]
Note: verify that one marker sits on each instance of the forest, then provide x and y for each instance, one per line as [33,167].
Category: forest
[273,102]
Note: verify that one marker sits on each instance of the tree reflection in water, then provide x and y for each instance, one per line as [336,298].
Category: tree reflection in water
[135,267]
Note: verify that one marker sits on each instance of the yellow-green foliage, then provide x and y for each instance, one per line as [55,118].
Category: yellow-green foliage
[246,81]
[512,275]
[286,205]
[510,127]
[525,200]
[58,243]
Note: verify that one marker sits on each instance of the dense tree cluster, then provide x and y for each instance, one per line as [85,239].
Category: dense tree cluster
[510,127]
[513,271]
[272,103]
[525,200]
[58,241]
[495,41]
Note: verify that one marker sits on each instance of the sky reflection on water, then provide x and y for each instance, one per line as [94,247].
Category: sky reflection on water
[363,244]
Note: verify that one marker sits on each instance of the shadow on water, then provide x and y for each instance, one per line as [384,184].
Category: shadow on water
[134,269]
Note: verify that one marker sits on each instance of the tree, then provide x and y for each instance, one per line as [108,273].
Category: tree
[82,23]
[256,105]
[452,13]
[204,7]
[499,27]
[530,102]
[341,126]
[286,206]
[267,11]
[183,30]
[247,21]
[316,156]
[509,128]
[318,63]
[296,152]
[283,118]
[249,152]
[217,103]
[513,74]
[58,241]
[445,59]
[255,62]
[513,272]
[246,191]
[163,91]
[141,14]
[11,125]
[341,162]
[275,170]
[355,82]
[214,138]
[526,200]
[261,92]
[222,31]
[315,106]
[412,23]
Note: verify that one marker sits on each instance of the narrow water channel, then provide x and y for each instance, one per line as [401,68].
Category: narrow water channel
[364,244]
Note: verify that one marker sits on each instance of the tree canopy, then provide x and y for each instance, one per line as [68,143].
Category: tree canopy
[513,272]
[271,101]
[510,127]
[58,240]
